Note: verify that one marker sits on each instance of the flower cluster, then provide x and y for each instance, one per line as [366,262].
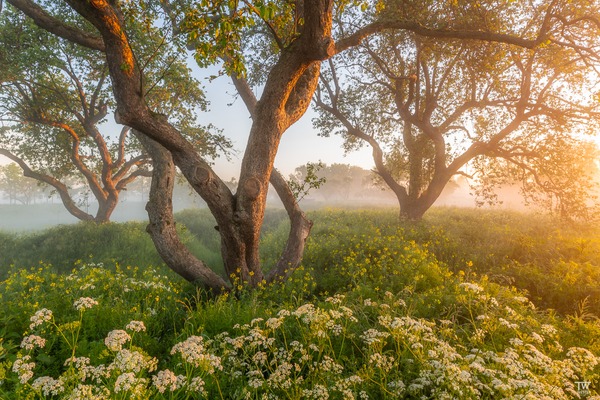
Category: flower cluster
[136,326]
[192,351]
[23,367]
[116,339]
[167,380]
[48,386]
[40,316]
[368,343]
[84,303]
[32,341]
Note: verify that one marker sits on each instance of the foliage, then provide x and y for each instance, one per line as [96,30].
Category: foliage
[431,109]
[62,246]
[305,179]
[373,314]
[333,182]
[55,115]
[17,187]
[555,262]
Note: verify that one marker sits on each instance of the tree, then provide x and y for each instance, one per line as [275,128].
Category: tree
[299,36]
[333,182]
[17,187]
[55,97]
[431,109]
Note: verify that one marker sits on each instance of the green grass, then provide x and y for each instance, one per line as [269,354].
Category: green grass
[378,310]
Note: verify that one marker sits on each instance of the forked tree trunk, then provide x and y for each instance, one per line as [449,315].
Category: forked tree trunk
[234,245]
[162,228]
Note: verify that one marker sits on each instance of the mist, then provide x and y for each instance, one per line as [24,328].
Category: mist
[356,190]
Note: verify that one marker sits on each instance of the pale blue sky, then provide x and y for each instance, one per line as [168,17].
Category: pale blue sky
[299,145]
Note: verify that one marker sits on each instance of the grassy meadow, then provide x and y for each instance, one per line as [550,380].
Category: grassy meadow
[466,304]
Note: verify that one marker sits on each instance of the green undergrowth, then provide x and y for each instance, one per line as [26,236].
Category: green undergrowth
[379,310]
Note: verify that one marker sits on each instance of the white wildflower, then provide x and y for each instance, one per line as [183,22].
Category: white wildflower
[381,361]
[128,382]
[281,375]
[537,337]
[582,358]
[260,358]
[283,313]
[116,339]
[397,387]
[48,386]
[318,392]
[133,361]
[88,392]
[507,324]
[23,367]
[549,330]
[516,342]
[521,299]
[274,323]
[197,385]
[40,316]
[32,341]
[167,380]
[314,347]
[136,326]
[471,287]
[84,302]
[336,299]
[328,364]
[510,311]
[354,380]
[192,351]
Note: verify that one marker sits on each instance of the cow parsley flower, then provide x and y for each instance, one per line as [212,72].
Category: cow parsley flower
[23,367]
[471,287]
[167,380]
[192,351]
[84,302]
[136,326]
[40,316]
[128,382]
[196,385]
[116,339]
[48,386]
[32,341]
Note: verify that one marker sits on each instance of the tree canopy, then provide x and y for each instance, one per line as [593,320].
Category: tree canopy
[280,46]
[431,108]
[55,101]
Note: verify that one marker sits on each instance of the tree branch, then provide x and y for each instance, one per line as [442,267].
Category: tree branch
[56,26]
[357,37]
[60,187]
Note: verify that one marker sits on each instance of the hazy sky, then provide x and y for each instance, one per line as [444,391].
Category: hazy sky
[299,145]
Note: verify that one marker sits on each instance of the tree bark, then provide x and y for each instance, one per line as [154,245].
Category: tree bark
[162,227]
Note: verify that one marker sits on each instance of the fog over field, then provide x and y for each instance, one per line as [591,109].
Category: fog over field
[44,211]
